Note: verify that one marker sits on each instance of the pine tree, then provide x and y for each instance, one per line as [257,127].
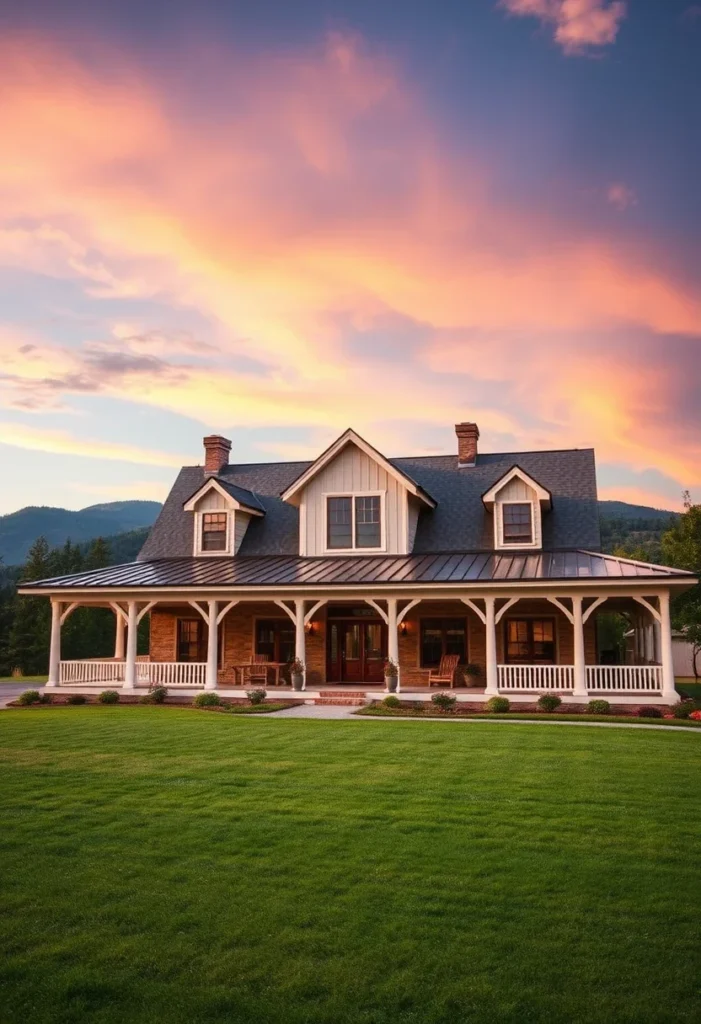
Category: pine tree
[681,547]
[29,633]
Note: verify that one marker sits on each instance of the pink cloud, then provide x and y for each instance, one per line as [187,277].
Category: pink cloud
[621,196]
[578,25]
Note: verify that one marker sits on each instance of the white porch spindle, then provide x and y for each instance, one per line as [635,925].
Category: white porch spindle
[119,637]
[55,648]
[393,636]
[492,686]
[210,682]
[130,668]
[669,692]
[300,644]
[580,674]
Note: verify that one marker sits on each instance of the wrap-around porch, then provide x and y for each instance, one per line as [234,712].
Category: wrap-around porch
[523,644]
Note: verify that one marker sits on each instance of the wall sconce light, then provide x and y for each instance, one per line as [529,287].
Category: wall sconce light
[402,629]
[310,628]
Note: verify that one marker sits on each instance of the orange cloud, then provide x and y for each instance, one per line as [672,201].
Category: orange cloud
[296,201]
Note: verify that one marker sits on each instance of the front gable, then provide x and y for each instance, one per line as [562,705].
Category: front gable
[352,479]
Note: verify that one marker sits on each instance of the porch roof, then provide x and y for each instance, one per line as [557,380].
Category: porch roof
[467,567]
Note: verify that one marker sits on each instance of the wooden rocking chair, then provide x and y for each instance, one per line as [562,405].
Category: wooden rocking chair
[445,673]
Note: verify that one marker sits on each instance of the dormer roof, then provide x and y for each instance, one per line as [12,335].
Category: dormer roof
[292,492]
[517,473]
[237,497]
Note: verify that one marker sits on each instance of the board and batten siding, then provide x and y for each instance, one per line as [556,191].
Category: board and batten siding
[351,473]
[519,490]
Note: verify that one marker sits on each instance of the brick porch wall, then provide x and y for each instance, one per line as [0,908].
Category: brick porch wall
[238,636]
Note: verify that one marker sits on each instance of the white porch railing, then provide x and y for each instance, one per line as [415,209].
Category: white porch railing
[171,673]
[624,678]
[91,671]
[522,678]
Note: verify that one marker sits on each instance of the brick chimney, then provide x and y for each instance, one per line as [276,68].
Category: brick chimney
[468,436]
[216,453]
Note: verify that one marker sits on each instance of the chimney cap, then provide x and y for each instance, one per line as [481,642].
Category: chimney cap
[467,428]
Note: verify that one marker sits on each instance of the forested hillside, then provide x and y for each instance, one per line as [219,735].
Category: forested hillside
[19,530]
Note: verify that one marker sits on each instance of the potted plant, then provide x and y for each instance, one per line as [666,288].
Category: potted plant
[391,676]
[297,674]
[473,675]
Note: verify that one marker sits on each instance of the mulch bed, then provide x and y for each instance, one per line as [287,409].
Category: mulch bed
[61,700]
[423,709]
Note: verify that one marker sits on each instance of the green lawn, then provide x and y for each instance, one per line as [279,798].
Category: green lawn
[24,679]
[168,866]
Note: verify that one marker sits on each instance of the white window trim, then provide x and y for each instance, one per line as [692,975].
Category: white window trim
[326,550]
[197,547]
[536,526]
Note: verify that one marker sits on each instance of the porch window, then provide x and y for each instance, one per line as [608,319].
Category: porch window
[530,641]
[442,636]
[214,531]
[276,638]
[518,522]
[190,640]
[354,522]
[192,636]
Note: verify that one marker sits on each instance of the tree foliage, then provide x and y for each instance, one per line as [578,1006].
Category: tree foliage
[681,548]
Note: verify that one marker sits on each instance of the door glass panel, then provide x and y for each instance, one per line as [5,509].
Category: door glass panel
[334,643]
[373,640]
[351,648]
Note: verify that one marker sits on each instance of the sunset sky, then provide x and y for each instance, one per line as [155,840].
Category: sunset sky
[274,220]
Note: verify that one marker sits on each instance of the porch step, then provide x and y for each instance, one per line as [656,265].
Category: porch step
[344,693]
[356,702]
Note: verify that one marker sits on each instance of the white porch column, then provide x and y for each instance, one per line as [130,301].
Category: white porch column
[649,644]
[210,679]
[669,694]
[300,638]
[119,637]
[130,667]
[393,637]
[492,686]
[580,671]
[55,646]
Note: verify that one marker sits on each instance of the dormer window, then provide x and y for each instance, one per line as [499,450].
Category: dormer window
[214,529]
[518,522]
[354,522]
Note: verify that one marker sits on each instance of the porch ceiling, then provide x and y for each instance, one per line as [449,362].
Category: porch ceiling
[356,571]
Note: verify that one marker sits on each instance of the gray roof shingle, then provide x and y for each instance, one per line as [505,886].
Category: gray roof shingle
[459,522]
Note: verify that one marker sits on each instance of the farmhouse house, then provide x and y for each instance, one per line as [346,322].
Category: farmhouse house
[441,563]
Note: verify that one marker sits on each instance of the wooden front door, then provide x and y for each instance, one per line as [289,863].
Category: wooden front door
[356,651]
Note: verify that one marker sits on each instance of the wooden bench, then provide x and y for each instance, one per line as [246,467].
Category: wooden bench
[445,673]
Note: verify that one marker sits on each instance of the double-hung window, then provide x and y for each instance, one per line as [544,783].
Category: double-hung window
[354,523]
[518,522]
[214,531]
[530,641]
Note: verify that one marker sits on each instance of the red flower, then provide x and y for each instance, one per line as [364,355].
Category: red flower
[696,715]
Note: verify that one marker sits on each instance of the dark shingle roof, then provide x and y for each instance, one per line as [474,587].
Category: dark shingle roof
[458,523]
[404,570]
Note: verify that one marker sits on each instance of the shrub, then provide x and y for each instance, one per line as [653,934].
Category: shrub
[391,701]
[109,697]
[444,701]
[549,702]
[29,697]
[207,699]
[473,674]
[649,713]
[256,696]
[46,698]
[695,716]
[498,705]
[157,694]
[599,707]
[145,699]
[76,698]
[684,710]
